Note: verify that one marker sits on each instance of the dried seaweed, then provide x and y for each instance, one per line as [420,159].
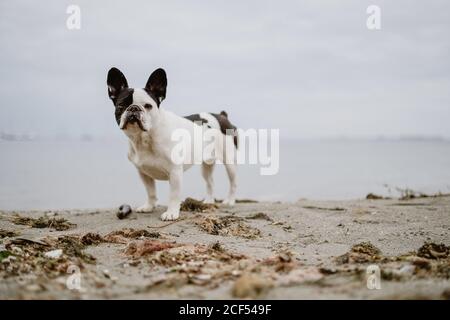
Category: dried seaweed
[7,234]
[59,224]
[142,248]
[124,235]
[246,201]
[259,216]
[91,239]
[432,250]
[24,257]
[226,226]
[193,205]
[360,253]
[324,208]
[282,262]
[373,196]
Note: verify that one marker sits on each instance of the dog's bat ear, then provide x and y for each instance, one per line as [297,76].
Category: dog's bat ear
[157,84]
[116,83]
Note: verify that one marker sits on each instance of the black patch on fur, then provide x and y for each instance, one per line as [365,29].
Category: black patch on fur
[225,125]
[157,85]
[196,118]
[116,83]
[123,101]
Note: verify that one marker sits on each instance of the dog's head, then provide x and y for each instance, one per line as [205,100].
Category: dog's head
[136,109]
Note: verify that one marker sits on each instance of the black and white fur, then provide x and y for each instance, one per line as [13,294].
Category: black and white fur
[149,129]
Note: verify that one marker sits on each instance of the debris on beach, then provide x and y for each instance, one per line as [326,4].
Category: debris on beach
[360,253]
[193,205]
[373,196]
[72,246]
[216,246]
[227,226]
[49,258]
[185,257]
[124,235]
[54,254]
[250,285]
[91,238]
[409,194]
[7,234]
[324,208]
[124,211]
[246,201]
[431,260]
[176,264]
[138,249]
[4,254]
[59,224]
[259,216]
[282,262]
[27,241]
[286,227]
[432,250]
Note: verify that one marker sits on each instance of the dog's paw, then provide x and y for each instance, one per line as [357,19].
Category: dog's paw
[146,208]
[229,202]
[170,215]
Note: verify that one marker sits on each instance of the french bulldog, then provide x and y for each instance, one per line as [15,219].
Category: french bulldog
[153,134]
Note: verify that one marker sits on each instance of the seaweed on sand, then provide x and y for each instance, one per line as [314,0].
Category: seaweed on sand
[193,205]
[360,253]
[25,257]
[59,224]
[226,226]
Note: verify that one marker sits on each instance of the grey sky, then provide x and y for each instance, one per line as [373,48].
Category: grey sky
[310,68]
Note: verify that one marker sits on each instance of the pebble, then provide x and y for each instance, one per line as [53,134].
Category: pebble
[124,211]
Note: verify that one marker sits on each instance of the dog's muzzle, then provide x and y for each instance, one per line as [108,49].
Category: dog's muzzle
[133,114]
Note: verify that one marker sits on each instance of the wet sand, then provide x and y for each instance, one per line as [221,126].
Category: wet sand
[300,250]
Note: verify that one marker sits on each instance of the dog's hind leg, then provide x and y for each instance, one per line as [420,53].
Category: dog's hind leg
[231,171]
[207,173]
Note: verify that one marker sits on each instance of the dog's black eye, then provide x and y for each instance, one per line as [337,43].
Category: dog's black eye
[148,106]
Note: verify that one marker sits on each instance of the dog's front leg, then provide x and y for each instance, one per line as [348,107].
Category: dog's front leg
[175,181]
[149,184]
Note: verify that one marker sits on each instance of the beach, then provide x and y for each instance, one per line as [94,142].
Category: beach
[305,249]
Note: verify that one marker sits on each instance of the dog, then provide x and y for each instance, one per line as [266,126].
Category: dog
[151,130]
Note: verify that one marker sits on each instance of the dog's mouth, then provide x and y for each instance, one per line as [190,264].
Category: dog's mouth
[133,118]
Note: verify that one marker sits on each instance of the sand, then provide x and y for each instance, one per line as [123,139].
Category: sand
[300,250]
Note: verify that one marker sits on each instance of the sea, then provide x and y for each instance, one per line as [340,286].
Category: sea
[95,174]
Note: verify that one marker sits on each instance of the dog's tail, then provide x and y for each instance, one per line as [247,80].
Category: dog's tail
[224,113]
[226,126]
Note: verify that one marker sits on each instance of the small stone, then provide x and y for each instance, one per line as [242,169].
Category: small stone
[54,254]
[124,211]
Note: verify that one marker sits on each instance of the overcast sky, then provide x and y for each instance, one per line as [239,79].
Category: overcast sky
[310,68]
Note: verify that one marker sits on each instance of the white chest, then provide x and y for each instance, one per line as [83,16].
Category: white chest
[150,163]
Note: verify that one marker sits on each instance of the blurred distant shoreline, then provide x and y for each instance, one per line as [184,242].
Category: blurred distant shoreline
[86,137]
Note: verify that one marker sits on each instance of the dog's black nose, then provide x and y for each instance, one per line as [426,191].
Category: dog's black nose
[133,108]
